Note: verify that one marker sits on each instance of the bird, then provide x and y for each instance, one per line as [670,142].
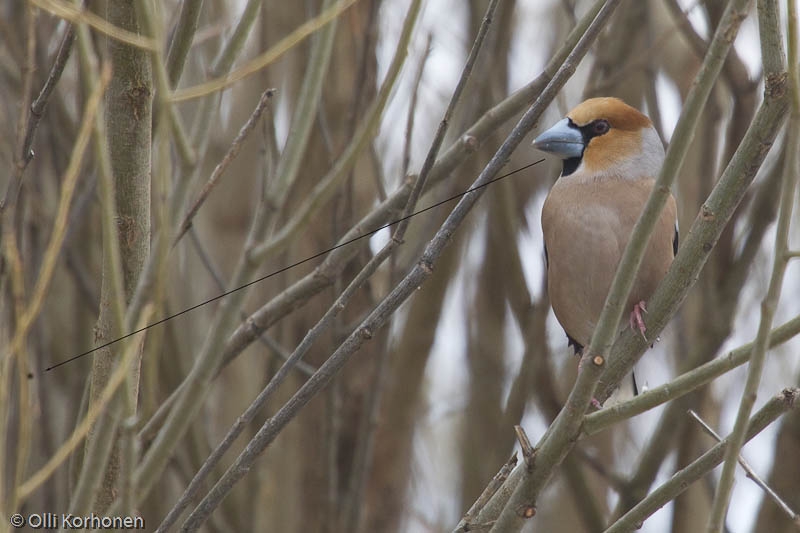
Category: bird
[611,156]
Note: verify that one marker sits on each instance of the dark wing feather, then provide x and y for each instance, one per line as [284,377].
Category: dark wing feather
[675,242]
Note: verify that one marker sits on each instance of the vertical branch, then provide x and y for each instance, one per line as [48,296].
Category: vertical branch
[101,432]
[128,119]
[200,135]
[181,40]
[773,59]
[22,153]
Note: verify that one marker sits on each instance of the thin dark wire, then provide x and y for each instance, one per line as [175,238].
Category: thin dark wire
[284,269]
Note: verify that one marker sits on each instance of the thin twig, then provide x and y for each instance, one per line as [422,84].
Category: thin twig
[38,106]
[795,517]
[493,486]
[363,457]
[21,149]
[319,279]
[412,106]
[230,155]
[287,170]
[528,452]
[681,480]
[168,110]
[265,339]
[438,138]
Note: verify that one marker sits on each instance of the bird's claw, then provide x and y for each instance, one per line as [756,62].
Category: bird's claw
[636,319]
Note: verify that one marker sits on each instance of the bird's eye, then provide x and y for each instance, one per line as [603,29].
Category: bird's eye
[599,127]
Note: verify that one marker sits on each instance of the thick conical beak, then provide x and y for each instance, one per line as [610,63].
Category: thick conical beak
[563,140]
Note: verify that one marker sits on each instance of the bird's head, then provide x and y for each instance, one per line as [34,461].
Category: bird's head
[605,137]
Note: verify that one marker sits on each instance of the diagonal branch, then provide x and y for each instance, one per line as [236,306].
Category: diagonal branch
[686,383]
[771,494]
[679,482]
[230,155]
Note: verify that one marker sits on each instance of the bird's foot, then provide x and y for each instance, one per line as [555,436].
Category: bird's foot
[596,404]
[636,320]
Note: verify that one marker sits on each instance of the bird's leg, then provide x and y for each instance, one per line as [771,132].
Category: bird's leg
[636,320]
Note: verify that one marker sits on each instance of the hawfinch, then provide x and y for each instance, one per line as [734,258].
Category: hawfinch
[611,157]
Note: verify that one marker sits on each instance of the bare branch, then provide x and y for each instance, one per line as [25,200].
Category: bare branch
[679,482]
[230,155]
[750,472]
